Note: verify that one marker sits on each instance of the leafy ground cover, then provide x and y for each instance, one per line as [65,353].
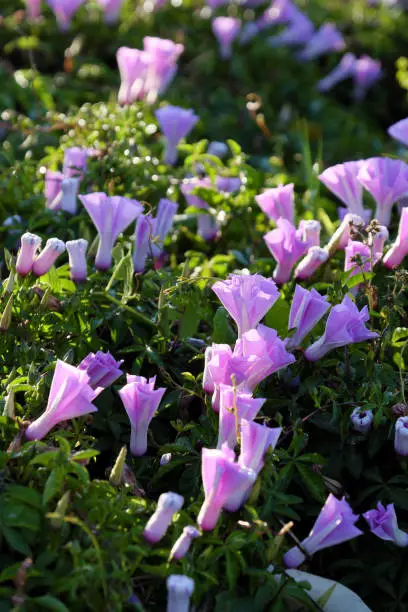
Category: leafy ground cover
[73,509]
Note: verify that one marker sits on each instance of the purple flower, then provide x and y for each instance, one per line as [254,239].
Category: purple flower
[162,224]
[111,9]
[30,243]
[384,524]
[334,525]
[235,406]
[102,370]
[341,180]
[387,180]
[247,298]
[286,247]
[256,439]
[132,64]
[258,354]
[345,325]
[53,182]
[141,402]
[399,131]
[179,591]
[216,368]
[175,123]
[342,235]
[167,506]
[207,227]
[225,31]
[111,216]
[279,12]
[163,55]
[315,258]
[223,481]
[228,184]
[309,232]
[188,186]
[308,307]
[142,243]
[278,202]
[367,71]
[33,8]
[401,436]
[70,396]
[75,162]
[218,149]
[361,420]
[361,251]
[399,249]
[299,31]
[64,10]
[342,71]
[48,256]
[183,543]
[325,40]
[77,259]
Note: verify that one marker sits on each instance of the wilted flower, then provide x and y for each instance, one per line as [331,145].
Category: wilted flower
[179,591]
[383,523]
[102,370]
[157,525]
[387,180]
[401,436]
[341,180]
[367,71]
[342,71]
[278,202]
[334,525]
[142,242]
[64,10]
[399,131]
[141,401]
[111,216]
[286,247]
[175,123]
[308,307]
[48,256]
[342,235]
[345,325]
[399,249]
[226,30]
[235,405]
[223,479]
[314,258]
[183,543]
[30,243]
[162,224]
[247,298]
[111,9]
[70,396]
[77,259]
[325,40]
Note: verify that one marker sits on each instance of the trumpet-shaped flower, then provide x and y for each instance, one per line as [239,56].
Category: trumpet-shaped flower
[367,71]
[216,368]
[342,71]
[399,249]
[334,525]
[30,243]
[399,131]
[299,32]
[111,9]
[66,199]
[167,506]
[142,243]
[162,224]
[280,12]
[183,543]
[163,55]
[308,307]
[341,180]
[77,259]
[111,216]
[179,591]
[225,30]
[48,256]
[358,258]
[384,524]
[386,180]
[53,182]
[102,370]
[256,439]
[64,11]
[361,420]
[234,407]
[132,64]
[278,202]
[314,258]
[345,325]
[325,40]
[247,298]
[70,396]
[75,162]
[401,436]
[286,247]
[141,402]
[223,480]
[175,123]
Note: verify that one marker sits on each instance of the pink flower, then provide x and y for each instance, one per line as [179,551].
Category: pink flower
[33,8]
[102,370]
[334,525]
[132,64]
[75,162]
[399,131]
[278,202]
[325,40]
[315,258]
[256,439]
[77,259]
[30,243]
[64,10]
[167,506]
[70,396]
[342,235]
[399,249]
[163,55]
[141,402]
[216,368]
[111,9]
[48,256]
[247,298]
[182,545]
[175,123]
[309,232]
[308,307]
[234,407]
[226,30]
[383,523]
[286,247]
[341,180]
[356,249]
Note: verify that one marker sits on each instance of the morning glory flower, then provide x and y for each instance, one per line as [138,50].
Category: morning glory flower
[401,436]
[312,261]
[168,504]
[48,256]
[102,370]
[342,71]
[325,40]
[341,180]
[175,123]
[286,247]
[182,545]
[399,131]
[226,30]
[307,308]
[30,243]
[399,249]
[132,64]
[64,11]
[179,591]
[235,406]
[78,267]
[384,524]
[111,9]
[367,71]
[361,420]
[278,202]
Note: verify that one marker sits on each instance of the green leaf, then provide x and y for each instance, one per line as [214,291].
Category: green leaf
[399,337]
[190,321]
[16,540]
[232,567]
[324,599]
[54,483]
[85,454]
[278,317]
[50,603]
[313,482]
[222,330]
[24,494]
